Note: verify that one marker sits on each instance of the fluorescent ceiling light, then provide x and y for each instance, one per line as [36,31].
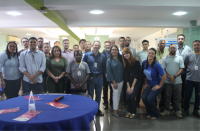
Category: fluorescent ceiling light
[96,12]
[28,34]
[14,13]
[180,13]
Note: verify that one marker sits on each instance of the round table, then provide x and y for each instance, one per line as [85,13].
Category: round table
[75,117]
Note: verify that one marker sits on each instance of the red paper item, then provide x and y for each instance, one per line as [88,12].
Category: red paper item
[57,105]
[35,98]
[27,116]
[9,110]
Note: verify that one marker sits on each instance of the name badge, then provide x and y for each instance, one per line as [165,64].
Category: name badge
[95,64]
[160,61]
[196,67]
[79,73]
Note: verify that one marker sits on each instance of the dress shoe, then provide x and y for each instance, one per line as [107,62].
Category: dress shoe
[162,109]
[99,113]
[196,113]
[185,113]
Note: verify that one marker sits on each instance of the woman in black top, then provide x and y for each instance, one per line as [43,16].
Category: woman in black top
[132,77]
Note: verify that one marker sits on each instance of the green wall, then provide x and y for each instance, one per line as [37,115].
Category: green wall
[72,41]
[191,34]
[3,42]
[102,39]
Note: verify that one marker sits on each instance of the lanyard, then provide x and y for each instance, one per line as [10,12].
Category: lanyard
[161,55]
[107,54]
[78,64]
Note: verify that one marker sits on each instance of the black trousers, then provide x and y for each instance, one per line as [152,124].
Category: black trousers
[139,92]
[106,84]
[183,77]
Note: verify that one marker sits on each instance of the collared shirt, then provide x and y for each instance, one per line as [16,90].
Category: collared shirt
[114,70]
[32,62]
[9,67]
[172,65]
[133,51]
[97,64]
[192,61]
[160,55]
[78,72]
[120,51]
[183,51]
[142,56]
[69,56]
[83,53]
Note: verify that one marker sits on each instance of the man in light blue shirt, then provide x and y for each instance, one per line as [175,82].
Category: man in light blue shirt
[127,44]
[32,65]
[182,50]
[142,55]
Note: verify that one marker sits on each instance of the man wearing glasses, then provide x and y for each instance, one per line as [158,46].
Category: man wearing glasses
[32,65]
[97,65]
[25,44]
[106,52]
[112,42]
[173,66]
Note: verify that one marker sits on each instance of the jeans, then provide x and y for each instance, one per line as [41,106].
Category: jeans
[31,87]
[139,92]
[12,88]
[172,91]
[148,98]
[116,95]
[188,93]
[131,99]
[95,83]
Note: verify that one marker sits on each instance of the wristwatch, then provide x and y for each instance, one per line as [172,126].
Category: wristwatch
[174,77]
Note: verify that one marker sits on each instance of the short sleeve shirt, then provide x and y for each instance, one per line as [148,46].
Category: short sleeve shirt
[183,51]
[78,72]
[193,60]
[153,74]
[172,65]
[142,56]
[160,55]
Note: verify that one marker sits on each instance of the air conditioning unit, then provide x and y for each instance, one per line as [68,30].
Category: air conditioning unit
[13,38]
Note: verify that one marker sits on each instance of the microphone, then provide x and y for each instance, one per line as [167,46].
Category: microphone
[59,98]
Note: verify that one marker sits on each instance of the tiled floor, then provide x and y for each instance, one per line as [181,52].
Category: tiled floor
[170,122]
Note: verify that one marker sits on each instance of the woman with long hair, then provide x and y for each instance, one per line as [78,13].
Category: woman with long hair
[114,71]
[9,71]
[153,83]
[56,67]
[132,78]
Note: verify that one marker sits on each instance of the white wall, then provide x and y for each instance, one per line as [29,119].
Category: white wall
[151,38]
[3,42]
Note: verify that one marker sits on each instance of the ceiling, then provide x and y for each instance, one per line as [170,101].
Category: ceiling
[132,18]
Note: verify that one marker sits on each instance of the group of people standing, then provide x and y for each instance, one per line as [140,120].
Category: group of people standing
[170,72]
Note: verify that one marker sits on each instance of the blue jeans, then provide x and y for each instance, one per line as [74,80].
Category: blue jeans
[95,83]
[148,98]
[12,88]
[31,87]
[131,99]
[188,93]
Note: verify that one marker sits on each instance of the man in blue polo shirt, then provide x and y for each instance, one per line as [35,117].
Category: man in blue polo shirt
[97,65]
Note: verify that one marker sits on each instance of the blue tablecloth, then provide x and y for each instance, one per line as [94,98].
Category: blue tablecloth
[76,117]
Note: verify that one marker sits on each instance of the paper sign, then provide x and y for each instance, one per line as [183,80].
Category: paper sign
[35,98]
[31,106]
[27,116]
[4,111]
[57,105]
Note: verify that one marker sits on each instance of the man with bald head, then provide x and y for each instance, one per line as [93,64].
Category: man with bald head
[112,42]
[78,73]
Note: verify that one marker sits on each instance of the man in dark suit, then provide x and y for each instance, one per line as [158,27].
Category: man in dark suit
[106,52]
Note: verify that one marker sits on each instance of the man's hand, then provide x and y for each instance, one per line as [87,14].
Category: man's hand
[3,84]
[115,86]
[31,77]
[172,79]
[80,86]
[35,81]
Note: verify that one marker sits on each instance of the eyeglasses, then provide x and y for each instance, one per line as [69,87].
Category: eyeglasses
[172,48]
[24,41]
[114,50]
[12,46]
